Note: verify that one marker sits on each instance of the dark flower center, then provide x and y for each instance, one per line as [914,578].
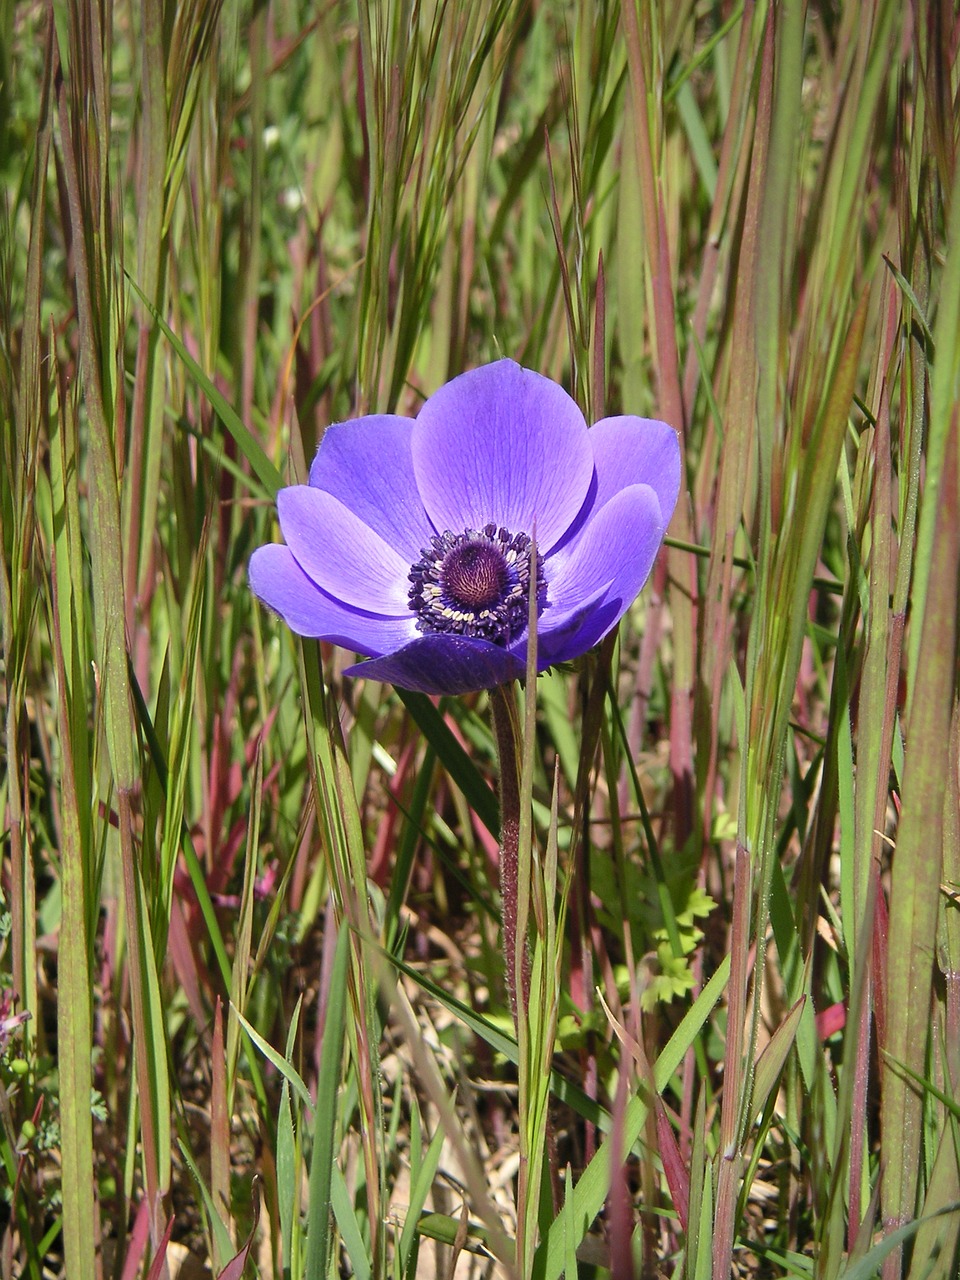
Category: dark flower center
[474,575]
[475,583]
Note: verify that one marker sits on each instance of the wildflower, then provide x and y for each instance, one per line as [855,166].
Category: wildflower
[413,542]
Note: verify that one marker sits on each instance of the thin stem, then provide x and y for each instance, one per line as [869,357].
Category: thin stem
[506,730]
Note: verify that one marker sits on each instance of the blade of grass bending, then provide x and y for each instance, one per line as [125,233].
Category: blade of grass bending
[866,1268]
[454,759]
[664,897]
[935,1251]
[196,872]
[773,1059]
[325,1116]
[590,1192]
[223,1243]
[926,1085]
[446,1230]
[766,1079]
[407,847]
[563,1090]
[286,1069]
[906,288]
[702,54]
[266,472]
[423,1177]
[472,1172]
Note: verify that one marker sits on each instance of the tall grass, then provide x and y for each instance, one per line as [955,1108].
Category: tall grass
[250,908]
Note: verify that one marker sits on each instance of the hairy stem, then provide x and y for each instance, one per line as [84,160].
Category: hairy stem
[506,730]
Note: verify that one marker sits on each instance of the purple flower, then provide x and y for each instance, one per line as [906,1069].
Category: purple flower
[411,544]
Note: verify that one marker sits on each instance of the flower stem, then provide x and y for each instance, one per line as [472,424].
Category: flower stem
[506,727]
[506,730]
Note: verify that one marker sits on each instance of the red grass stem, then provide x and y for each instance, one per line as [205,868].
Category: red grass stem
[506,732]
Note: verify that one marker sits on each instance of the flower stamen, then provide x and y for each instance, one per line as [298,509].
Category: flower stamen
[475,583]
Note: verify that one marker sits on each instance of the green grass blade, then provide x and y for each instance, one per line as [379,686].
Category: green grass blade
[325,1124]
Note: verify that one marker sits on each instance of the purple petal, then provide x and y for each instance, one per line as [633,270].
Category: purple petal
[628,450]
[613,555]
[502,444]
[580,632]
[281,584]
[367,463]
[443,664]
[560,630]
[342,554]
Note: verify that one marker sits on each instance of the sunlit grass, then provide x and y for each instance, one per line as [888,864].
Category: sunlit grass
[251,907]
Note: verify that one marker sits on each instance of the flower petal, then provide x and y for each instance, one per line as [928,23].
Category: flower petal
[443,664]
[628,450]
[556,639]
[368,465]
[502,444]
[277,579]
[616,550]
[581,631]
[341,554]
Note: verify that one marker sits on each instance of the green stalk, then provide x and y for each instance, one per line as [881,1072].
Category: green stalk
[88,202]
[147,407]
[74,1018]
[918,865]
[74,1021]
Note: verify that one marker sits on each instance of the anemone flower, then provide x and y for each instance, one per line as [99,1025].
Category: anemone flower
[413,543]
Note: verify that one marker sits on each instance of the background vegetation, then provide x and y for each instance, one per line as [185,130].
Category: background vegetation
[250,910]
